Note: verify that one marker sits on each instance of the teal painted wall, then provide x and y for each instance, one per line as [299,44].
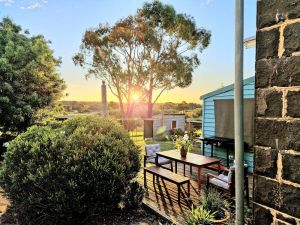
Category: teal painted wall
[208,122]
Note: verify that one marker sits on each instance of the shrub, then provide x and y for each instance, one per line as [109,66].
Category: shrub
[176,132]
[134,196]
[66,174]
[198,132]
[198,216]
[214,201]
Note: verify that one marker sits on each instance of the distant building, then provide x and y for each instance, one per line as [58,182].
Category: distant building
[168,121]
[163,123]
[194,123]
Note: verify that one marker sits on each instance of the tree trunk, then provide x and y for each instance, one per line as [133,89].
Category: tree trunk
[150,105]
[121,106]
[150,110]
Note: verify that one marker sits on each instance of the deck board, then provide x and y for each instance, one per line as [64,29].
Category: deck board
[163,195]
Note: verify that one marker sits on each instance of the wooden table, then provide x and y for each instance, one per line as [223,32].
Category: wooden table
[192,159]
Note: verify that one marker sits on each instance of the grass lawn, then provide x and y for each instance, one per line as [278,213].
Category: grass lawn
[164,145]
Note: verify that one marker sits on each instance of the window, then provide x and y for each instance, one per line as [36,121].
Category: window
[174,124]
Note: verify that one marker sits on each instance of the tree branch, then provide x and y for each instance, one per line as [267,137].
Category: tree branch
[157,97]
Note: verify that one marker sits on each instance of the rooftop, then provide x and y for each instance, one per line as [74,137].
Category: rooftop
[226,88]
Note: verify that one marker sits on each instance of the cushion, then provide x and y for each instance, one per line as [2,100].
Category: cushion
[161,160]
[220,183]
[152,149]
[231,169]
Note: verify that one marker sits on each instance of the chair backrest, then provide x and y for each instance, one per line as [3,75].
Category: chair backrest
[231,173]
[152,149]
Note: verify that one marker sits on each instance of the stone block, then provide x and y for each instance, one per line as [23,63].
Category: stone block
[287,133]
[270,12]
[287,72]
[264,68]
[290,200]
[284,218]
[265,191]
[293,103]
[290,170]
[265,161]
[269,103]
[267,44]
[262,215]
[291,38]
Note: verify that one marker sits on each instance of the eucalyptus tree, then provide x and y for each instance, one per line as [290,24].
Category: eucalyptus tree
[146,54]
[29,81]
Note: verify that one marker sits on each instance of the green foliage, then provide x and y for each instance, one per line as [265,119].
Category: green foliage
[157,49]
[48,114]
[176,132]
[183,106]
[134,196]
[198,216]
[198,132]
[184,142]
[28,77]
[65,174]
[214,201]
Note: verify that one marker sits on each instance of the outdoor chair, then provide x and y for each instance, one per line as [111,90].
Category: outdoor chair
[226,181]
[150,155]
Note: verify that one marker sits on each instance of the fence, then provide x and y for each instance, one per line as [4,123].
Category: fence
[135,128]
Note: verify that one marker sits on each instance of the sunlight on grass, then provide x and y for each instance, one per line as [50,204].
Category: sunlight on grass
[138,139]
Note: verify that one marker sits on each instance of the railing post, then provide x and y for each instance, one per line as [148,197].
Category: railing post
[239,112]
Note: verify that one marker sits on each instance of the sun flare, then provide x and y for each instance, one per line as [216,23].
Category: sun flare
[135,98]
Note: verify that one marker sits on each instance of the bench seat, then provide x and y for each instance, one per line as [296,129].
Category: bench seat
[169,176]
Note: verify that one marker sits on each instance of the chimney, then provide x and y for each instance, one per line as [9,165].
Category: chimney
[104,99]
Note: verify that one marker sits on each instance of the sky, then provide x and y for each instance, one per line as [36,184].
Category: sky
[63,22]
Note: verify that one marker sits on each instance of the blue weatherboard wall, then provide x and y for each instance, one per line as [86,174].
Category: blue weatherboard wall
[208,117]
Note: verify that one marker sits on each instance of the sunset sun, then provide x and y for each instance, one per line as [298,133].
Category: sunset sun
[135,97]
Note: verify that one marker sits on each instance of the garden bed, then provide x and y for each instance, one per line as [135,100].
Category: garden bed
[142,216]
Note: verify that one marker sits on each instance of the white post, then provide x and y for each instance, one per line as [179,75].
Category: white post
[239,112]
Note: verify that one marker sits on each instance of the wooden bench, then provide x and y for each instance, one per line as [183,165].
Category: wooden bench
[169,176]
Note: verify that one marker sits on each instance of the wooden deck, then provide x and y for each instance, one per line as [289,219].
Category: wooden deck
[162,196]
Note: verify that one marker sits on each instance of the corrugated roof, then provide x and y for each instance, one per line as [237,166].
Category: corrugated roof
[226,88]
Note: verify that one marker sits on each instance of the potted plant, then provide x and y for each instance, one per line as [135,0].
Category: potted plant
[214,201]
[184,145]
[198,216]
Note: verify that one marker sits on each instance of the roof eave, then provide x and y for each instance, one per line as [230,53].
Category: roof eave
[226,88]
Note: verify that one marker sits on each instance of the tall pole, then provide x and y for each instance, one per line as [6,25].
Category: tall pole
[239,112]
[104,98]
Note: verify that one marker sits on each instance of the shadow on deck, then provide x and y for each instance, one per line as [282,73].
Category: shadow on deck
[161,195]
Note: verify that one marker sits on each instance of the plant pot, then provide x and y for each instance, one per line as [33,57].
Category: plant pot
[183,152]
[222,221]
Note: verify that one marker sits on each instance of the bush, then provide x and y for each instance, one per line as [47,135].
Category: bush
[176,132]
[214,201]
[134,196]
[198,216]
[66,174]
